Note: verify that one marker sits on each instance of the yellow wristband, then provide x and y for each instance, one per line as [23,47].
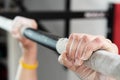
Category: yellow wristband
[28,66]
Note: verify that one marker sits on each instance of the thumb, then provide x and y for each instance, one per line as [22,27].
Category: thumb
[63,59]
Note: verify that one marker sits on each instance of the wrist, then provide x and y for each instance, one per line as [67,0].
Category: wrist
[29,57]
[28,66]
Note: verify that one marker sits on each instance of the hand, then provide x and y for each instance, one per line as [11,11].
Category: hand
[29,48]
[79,48]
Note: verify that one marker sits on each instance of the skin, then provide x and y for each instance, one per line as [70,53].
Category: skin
[29,48]
[79,48]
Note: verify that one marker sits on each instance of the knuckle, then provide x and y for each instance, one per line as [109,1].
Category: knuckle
[18,17]
[34,23]
[85,38]
[72,34]
[76,37]
[98,39]
[99,42]
[89,47]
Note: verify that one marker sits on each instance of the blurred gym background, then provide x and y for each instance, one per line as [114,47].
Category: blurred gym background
[49,18]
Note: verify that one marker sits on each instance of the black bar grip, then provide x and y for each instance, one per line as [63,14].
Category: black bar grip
[44,38]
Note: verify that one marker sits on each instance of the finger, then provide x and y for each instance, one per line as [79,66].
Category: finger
[94,45]
[69,43]
[26,22]
[33,24]
[22,22]
[73,47]
[113,47]
[80,48]
[63,59]
[70,46]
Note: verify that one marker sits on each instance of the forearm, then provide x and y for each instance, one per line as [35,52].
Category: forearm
[23,74]
[27,74]
[27,69]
